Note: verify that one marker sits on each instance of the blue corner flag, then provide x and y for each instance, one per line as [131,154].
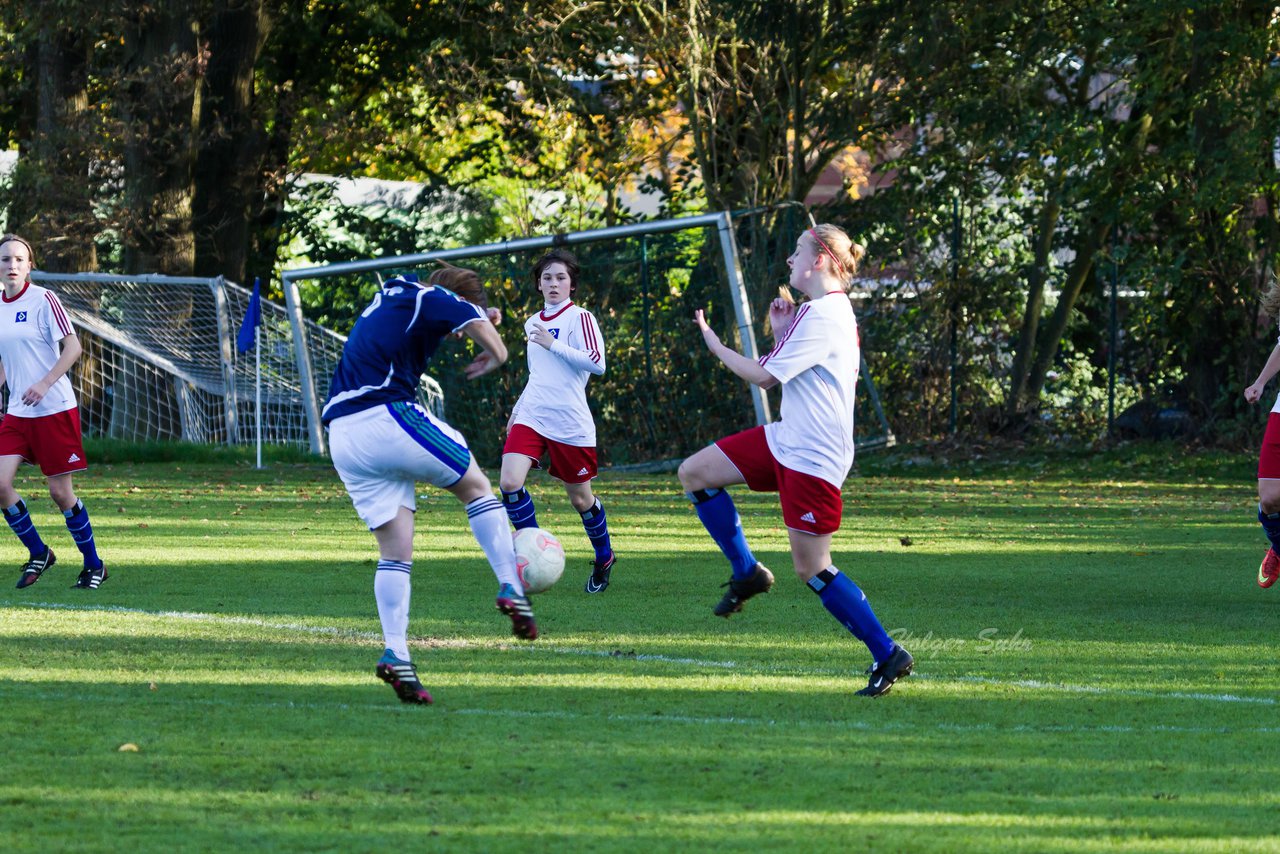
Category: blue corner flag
[252,317]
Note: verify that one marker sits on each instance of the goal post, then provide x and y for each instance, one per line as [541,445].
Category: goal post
[722,222]
[160,362]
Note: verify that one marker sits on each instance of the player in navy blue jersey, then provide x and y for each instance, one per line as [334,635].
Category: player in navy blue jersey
[382,443]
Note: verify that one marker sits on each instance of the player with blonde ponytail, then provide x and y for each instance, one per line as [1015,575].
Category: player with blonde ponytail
[805,455]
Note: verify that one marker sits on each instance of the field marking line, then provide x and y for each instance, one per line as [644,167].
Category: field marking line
[689,720]
[333,631]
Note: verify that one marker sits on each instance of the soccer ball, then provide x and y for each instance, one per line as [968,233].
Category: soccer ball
[539,559]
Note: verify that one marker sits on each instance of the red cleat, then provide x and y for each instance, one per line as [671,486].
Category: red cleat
[1269,569]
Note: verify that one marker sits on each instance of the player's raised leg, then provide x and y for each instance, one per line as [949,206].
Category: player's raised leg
[704,477]
[489,525]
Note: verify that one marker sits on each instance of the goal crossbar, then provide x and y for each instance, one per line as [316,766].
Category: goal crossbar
[722,222]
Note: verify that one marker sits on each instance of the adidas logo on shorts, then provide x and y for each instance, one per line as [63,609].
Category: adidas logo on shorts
[584,471]
[74,458]
[808,517]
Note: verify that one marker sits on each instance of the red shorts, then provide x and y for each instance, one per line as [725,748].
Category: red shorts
[1269,456]
[809,503]
[569,463]
[53,441]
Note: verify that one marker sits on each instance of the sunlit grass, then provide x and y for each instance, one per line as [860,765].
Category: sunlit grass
[1094,672]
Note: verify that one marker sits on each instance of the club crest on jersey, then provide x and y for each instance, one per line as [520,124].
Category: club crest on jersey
[20,317]
[555,333]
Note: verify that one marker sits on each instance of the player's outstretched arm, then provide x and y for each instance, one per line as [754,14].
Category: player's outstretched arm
[749,369]
[492,351]
[1269,370]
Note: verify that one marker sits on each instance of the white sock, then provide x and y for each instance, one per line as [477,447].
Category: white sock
[391,590]
[492,530]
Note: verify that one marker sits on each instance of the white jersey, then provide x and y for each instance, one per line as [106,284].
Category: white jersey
[554,403]
[31,325]
[816,361]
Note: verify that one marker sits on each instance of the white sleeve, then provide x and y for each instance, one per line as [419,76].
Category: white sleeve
[800,348]
[591,357]
[54,318]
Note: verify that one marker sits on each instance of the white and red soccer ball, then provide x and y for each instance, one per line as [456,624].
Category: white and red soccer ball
[539,559]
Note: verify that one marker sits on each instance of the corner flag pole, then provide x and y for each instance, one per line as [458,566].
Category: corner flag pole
[257,389]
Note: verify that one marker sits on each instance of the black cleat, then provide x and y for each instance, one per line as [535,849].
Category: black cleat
[32,569]
[599,579]
[517,607]
[896,666]
[91,579]
[403,677]
[742,589]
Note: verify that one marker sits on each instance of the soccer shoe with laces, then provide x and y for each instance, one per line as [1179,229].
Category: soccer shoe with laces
[1269,569]
[742,589]
[403,677]
[599,579]
[91,579]
[32,569]
[517,607]
[883,675]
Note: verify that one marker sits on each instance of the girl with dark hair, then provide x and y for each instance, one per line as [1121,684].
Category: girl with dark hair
[565,349]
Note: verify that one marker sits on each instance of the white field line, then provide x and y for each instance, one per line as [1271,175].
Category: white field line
[332,631]
[391,707]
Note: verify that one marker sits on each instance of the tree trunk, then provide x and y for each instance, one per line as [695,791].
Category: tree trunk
[160,103]
[228,177]
[1025,348]
[1077,274]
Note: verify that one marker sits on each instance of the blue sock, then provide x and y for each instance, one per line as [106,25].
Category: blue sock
[848,604]
[720,517]
[519,507]
[1270,525]
[20,521]
[597,528]
[82,532]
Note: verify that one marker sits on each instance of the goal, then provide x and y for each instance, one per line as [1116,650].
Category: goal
[160,361]
[661,397]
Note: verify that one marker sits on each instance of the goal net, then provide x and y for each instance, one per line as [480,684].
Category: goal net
[662,396]
[160,361]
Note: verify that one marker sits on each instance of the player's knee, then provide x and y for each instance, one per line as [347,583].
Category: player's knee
[510,484]
[1269,496]
[689,476]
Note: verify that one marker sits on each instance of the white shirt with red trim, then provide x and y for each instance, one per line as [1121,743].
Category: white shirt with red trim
[817,361]
[31,325]
[554,403]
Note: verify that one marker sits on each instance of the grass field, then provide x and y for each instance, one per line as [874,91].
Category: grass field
[1094,672]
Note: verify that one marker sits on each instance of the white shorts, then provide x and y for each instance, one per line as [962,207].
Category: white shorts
[382,452]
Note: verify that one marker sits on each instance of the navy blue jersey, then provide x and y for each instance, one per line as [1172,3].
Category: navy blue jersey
[391,343]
